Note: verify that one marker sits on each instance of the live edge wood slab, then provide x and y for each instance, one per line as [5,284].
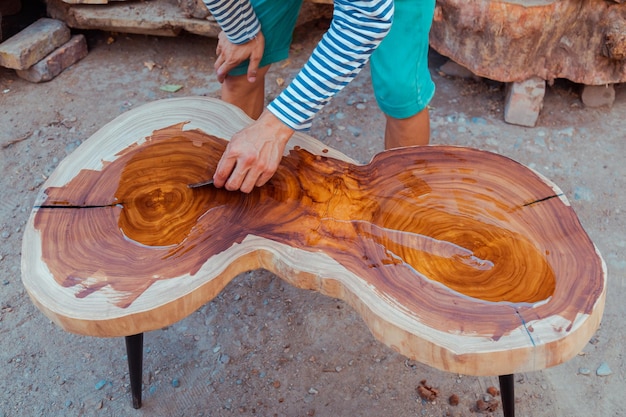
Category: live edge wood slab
[462,259]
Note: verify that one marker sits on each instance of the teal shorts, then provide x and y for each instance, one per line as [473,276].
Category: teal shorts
[278,19]
[399,66]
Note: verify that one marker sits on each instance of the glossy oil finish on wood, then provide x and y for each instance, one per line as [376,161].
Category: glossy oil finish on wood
[456,240]
[409,217]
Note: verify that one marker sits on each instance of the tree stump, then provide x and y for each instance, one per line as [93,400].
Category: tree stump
[459,258]
[515,40]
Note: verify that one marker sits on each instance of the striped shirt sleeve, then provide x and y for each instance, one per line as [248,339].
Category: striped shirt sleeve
[356,30]
[236,18]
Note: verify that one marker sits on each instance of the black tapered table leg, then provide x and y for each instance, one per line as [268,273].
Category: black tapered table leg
[507,392]
[134,351]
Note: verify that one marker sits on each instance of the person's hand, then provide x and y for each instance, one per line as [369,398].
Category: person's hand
[253,154]
[229,55]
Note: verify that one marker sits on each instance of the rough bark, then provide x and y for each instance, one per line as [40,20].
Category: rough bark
[580,40]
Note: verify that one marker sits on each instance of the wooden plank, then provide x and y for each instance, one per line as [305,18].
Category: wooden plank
[89,1]
[10,7]
[156,17]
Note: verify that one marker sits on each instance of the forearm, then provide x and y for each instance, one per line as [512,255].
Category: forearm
[236,18]
[356,30]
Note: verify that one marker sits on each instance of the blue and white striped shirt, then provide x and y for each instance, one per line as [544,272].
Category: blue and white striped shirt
[358,26]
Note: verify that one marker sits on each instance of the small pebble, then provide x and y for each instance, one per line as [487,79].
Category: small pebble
[583,193]
[603,370]
[584,371]
[216,349]
[478,120]
[361,106]
[68,403]
[354,130]
[100,384]
[313,391]
[224,359]
[175,383]
[152,389]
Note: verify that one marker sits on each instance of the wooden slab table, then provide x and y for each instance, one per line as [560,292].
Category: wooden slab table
[461,259]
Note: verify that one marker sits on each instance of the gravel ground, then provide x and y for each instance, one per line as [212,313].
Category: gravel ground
[263,347]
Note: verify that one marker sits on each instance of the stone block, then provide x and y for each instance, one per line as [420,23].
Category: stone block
[524,101]
[31,45]
[453,69]
[598,95]
[52,65]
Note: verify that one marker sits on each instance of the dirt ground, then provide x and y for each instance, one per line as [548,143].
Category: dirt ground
[263,347]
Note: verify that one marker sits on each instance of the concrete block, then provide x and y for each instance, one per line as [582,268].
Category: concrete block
[52,65]
[31,45]
[524,101]
[598,95]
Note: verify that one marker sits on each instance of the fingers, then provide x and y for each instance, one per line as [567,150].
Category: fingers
[220,69]
[244,170]
[256,54]
[253,154]
[253,67]
[225,167]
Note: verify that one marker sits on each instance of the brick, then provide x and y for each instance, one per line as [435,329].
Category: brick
[31,45]
[598,95]
[52,65]
[524,101]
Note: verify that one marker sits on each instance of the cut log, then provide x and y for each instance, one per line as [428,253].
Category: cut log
[516,40]
[156,17]
[458,258]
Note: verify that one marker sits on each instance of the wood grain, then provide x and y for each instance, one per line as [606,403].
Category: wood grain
[460,258]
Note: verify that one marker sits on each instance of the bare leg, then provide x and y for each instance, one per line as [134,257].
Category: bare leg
[249,97]
[414,130]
